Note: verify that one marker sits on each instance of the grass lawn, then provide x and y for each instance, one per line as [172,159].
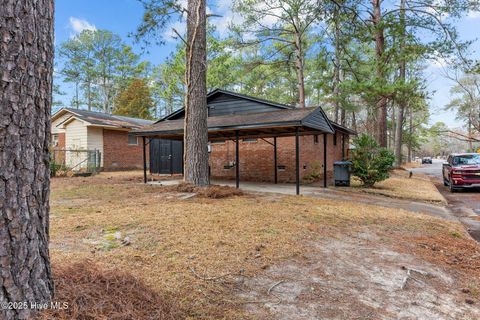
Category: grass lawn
[152,250]
[400,185]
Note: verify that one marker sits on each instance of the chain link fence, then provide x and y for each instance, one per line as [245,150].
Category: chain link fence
[65,162]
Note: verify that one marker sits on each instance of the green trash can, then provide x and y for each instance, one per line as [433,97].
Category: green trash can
[341,173]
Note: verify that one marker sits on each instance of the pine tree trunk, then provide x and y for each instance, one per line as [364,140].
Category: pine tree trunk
[354,121]
[393,133]
[381,106]
[337,68]
[89,97]
[299,71]
[470,135]
[381,132]
[196,131]
[401,106]
[26,60]
[410,132]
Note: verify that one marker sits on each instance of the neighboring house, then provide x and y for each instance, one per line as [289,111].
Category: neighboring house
[74,131]
[258,122]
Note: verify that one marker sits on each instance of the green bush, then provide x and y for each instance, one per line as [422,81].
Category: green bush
[370,163]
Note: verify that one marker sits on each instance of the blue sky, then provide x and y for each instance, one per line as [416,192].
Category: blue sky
[122,17]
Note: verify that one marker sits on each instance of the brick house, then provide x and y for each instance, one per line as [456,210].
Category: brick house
[264,133]
[76,130]
[257,158]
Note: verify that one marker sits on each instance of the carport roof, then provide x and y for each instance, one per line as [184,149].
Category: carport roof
[263,124]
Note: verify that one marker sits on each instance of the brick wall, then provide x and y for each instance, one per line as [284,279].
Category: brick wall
[61,140]
[118,154]
[256,158]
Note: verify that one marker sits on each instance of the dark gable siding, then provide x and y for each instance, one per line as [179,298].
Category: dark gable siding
[318,120]
[222,104]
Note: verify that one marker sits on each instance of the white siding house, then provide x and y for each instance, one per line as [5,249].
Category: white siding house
[79,134]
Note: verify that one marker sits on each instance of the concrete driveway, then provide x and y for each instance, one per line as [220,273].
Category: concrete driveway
[464,204]
[339,195]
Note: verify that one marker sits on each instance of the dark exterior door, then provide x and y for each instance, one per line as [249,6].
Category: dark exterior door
[166,156]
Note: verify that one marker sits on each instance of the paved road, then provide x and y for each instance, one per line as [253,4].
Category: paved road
[465,204]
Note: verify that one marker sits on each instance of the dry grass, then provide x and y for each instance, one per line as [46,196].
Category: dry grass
[196,251]
[399,185]
[410,165]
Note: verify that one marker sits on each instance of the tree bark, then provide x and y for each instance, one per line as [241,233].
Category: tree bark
[299,70]
[26,60]
[354,121]
[401,105]
[470,134]
[410,131]
[381,106]
[393,118]
[337,68]
[195,127]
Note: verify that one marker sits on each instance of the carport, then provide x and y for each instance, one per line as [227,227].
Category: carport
[262,125]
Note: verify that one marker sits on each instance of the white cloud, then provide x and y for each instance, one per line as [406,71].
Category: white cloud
[438,63]
[473,14]
[440,4]
[224,5]
[223,23]
[78,25]
[227,17]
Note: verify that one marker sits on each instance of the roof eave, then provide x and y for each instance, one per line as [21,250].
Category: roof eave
[110,127]
[70,119]
[229,128]
[339,127]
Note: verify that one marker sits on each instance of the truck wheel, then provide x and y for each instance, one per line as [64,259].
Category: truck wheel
[451,187]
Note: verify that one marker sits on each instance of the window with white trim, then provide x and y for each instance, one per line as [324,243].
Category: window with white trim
[132,140]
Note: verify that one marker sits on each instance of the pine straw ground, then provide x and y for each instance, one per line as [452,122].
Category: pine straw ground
[418,187]
[184,258]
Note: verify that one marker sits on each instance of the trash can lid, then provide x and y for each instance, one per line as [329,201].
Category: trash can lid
[342,163]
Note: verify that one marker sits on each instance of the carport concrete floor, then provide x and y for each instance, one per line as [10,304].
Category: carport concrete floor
[333,194]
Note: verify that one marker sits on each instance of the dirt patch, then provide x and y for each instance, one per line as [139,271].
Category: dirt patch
[463,254]
[200,251]
[93,292]
[355,277]
[211,191]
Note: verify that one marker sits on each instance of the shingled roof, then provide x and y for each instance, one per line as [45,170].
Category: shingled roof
[102,119]
[283,121]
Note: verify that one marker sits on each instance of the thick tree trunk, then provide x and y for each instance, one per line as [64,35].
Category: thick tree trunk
[196,132]
[401,106]
[381,131]
[399,134]
[381,121]
[26,67]
[410,131]
[391,141]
